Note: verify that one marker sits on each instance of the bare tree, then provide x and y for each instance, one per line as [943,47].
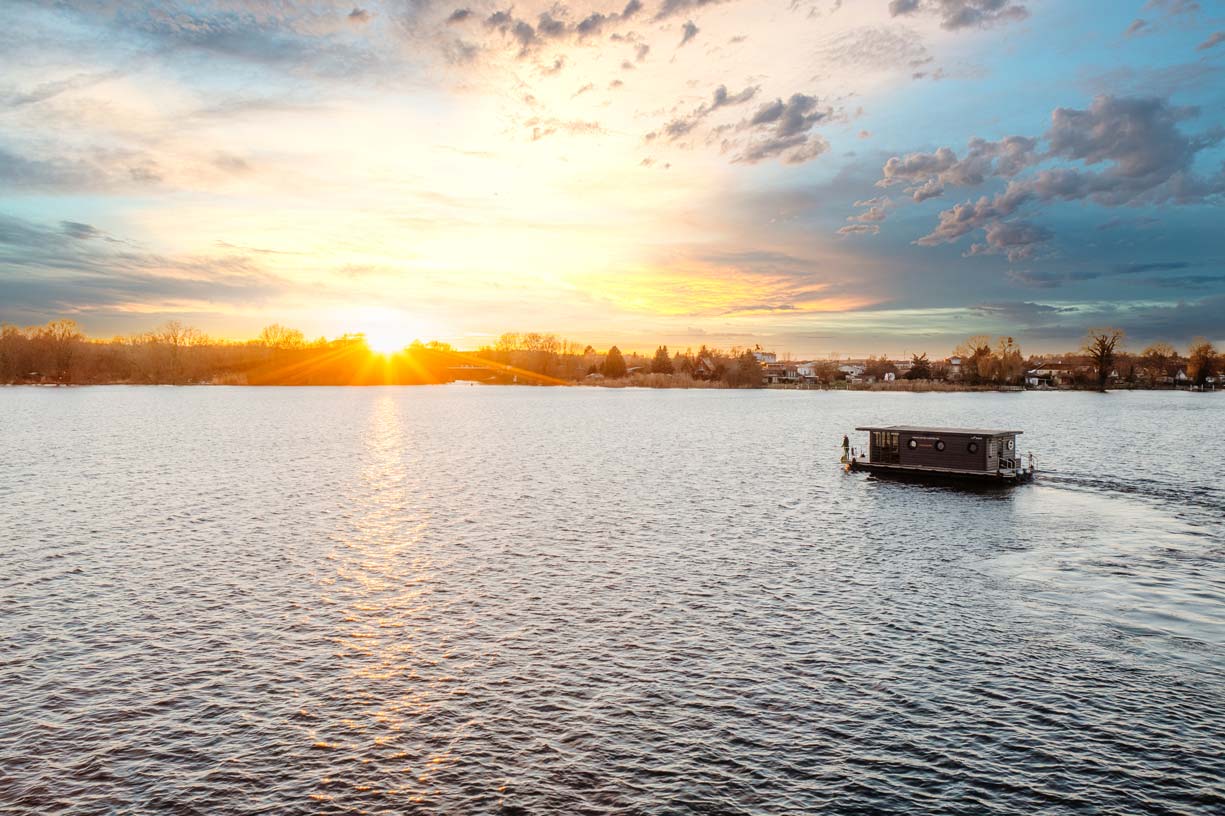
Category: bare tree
[1202,361]
[1156,361]
[1100,347]
[277,336]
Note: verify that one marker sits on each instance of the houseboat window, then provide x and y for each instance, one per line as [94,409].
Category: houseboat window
[972,447]
[939,444]
[912,444]
[1011,444]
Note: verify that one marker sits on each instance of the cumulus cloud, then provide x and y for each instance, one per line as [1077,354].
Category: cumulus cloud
[859,229]
[1145,156]
[877,209]
[929,173]
[1015,239]
[959,14]
[459,15]
[784,129]
[359,16]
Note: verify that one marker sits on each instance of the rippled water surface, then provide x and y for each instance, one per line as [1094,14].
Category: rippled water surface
[481,600]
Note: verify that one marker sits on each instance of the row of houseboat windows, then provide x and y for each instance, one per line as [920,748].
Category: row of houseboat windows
[890,440]
[939,445]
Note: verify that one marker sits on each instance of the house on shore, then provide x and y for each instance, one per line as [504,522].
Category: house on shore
[704,368]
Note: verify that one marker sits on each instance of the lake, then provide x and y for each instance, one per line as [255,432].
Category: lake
[576,600]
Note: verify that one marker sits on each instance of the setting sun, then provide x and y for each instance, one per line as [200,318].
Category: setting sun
[388,339]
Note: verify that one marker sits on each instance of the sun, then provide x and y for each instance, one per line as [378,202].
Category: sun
[387,339]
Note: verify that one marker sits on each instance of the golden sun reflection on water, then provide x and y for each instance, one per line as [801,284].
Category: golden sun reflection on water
[381,588]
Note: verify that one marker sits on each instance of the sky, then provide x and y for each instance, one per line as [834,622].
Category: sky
[817,177]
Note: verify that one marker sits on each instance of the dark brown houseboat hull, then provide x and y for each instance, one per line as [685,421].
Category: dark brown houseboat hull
[931,474]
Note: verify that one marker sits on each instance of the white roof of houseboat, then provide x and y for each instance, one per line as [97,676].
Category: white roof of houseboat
[921,429]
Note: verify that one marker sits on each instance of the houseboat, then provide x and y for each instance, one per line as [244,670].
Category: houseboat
[961,454]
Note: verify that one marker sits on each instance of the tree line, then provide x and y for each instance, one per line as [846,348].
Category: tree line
[174,353]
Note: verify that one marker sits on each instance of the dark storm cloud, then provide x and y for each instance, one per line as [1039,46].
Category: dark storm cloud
[958,14]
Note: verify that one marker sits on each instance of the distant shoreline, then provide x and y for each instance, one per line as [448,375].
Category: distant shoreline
[903,387]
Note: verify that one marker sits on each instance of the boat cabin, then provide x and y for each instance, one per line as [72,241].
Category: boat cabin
[971,452]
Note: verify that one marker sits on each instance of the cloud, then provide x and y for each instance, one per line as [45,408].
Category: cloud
[859,229]
[689,31]
[52,272]
[551,28]
[359,16]
[1213,40]
[668,8]
[784,130]
[721,98]
[1143,321]
[1147,159]
[958,14]
[542,127]
[75,229]
[1139,268]
[877,209]
[47,90]
[460,15]
[1016,239]
[1054,278]
[1137,26]
[1173,7]
[1020,312]
[929,173]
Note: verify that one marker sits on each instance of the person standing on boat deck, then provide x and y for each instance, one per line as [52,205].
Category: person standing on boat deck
[846,447]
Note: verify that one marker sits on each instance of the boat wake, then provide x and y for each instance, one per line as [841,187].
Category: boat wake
[1194,496]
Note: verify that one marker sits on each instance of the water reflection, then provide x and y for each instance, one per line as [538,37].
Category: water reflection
[382,590]
[583,600]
